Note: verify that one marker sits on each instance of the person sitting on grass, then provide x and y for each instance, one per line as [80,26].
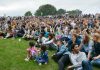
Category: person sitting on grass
[31,51]
[47,33]
[41,40]
[9,34]
[61,56]
[78,59]
[2,34]
[36,34]
[43,56]
[28,34]
[86,45]
[96,50]
[50,42]
[20,32]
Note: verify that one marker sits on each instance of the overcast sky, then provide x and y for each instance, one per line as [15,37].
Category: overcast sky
[19,7]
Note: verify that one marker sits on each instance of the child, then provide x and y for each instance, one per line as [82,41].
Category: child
[31,51]
[43,57]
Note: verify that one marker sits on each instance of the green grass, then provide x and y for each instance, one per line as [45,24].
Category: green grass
[13,53]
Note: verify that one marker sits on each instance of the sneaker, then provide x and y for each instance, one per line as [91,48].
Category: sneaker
[35,60]
[45,62]
[40,64]
[5,38]
[26,59]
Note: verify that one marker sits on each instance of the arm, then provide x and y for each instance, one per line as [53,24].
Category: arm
[38,40]
[48,42]
[97,57]
[90,48]
[44,40]
[62,49]
[80,46]
[73,61]
[89,55]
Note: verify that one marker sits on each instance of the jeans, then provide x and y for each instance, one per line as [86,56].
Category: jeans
[64,60]
[41,60]
[96,62]
[86,65]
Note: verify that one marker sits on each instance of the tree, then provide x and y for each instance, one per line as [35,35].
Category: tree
[28,13]
[45,10]
[61,11]
[74,12]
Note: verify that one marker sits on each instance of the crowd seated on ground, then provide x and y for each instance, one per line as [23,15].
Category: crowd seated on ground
[75,40]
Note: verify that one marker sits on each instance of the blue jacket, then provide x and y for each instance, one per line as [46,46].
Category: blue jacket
[78,42]
[62,50]
[43,57]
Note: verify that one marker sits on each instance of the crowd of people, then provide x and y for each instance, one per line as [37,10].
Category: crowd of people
[75,40]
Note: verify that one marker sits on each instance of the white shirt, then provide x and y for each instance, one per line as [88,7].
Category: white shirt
[77,59]
[48,42]
[43,40]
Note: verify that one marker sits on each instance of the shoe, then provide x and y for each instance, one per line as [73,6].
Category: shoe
[26,59]
[5,38]
[45,62]
[40,64]
[35,60]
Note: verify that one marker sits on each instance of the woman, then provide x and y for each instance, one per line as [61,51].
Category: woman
[96,50]
[87,45]
[74,40]
[50,42]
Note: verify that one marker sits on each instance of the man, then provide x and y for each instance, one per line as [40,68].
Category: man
[62,55]
[78,59]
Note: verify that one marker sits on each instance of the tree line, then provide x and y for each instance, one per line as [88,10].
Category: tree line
[48,9]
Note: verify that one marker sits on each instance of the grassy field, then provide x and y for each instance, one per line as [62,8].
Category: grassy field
[13,53]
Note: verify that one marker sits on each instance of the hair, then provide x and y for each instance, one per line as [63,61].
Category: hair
[43,48]
[86,39]
[42,34]
[97,36]
[76,28]
[59,40]
[51,35]
[73,45]
[88,31]
[75,35]
[31,44]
